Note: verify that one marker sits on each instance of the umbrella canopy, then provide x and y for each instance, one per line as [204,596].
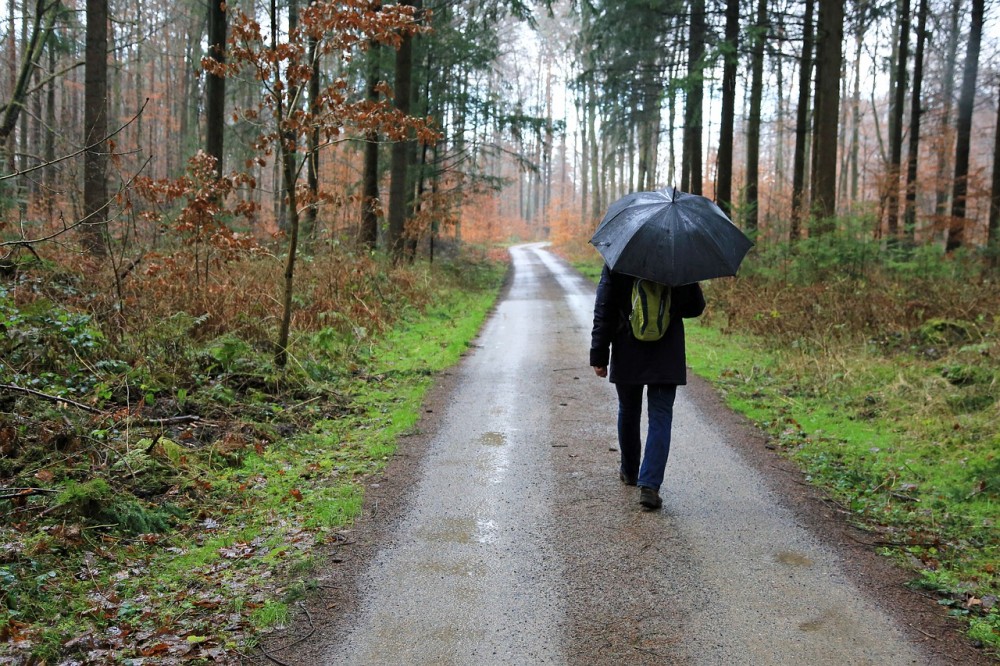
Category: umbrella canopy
[670,237]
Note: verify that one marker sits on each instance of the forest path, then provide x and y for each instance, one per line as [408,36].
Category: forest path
[515,543]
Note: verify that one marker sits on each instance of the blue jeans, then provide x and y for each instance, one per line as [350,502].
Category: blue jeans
[661,416]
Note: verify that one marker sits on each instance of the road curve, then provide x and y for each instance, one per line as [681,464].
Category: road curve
[517,544]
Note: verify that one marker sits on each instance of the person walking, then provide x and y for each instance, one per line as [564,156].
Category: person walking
[633,365]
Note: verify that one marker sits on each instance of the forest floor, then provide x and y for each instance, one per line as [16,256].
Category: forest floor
[164,488]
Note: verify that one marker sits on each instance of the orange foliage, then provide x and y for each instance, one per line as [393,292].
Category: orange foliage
[482,221]
[569,232]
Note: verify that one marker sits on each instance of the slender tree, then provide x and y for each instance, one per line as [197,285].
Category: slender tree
[399,184]
[993,228]
[730,54]
[966,101]
[753,126]
[369,180]
[95,130]
[215,85]
[947,102]
[802,125]
[826,118]
[913,154]
[691,171]
[896,125]
[313,139]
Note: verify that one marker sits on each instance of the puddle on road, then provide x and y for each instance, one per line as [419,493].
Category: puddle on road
[494,464]
[461,531]
[493,439]
[793,559]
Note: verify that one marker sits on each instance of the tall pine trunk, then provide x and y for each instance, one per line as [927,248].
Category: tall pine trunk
[802,126]
[966,101]
[692,167]
[370,204]
[730,50]
[913,153]
[95,130]
[993,228]
[753,126]
[399,168]
[896,126]
[947,97]
[826,118]
[215,86]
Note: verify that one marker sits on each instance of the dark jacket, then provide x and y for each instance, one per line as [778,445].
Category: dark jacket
[634,361]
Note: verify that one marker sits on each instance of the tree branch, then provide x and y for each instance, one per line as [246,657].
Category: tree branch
[50,398]
[131,120]
[170,420]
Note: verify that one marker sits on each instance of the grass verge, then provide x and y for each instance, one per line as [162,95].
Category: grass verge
[170,543]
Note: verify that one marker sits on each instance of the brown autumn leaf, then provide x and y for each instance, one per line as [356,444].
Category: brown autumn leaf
[297,494]
[44,475]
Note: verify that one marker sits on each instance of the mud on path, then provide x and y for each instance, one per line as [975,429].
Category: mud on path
[500,533]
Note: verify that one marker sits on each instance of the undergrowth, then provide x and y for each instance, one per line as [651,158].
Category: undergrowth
[162,483]
[880,374]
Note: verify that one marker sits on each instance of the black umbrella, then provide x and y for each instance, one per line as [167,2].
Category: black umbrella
[670,237]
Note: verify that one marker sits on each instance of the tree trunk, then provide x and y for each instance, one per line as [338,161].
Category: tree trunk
[7,125]
[856,104]
[947,97]
[50,139]
[966,102]
[215,86]
[312,152]
[826,118]
[896,126]
[910,209]
[802,125]
[993,230]
[730,50]
[33,45]
[287,149]
[95,130]
[753,125]
[370,194]
[695,98]
[399,185]
[595,171]
[584,165]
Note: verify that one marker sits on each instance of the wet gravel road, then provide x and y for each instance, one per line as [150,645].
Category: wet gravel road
[507,538]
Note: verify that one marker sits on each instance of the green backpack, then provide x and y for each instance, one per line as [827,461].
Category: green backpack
[650,310]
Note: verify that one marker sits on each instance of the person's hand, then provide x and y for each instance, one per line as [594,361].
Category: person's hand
[601,371]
